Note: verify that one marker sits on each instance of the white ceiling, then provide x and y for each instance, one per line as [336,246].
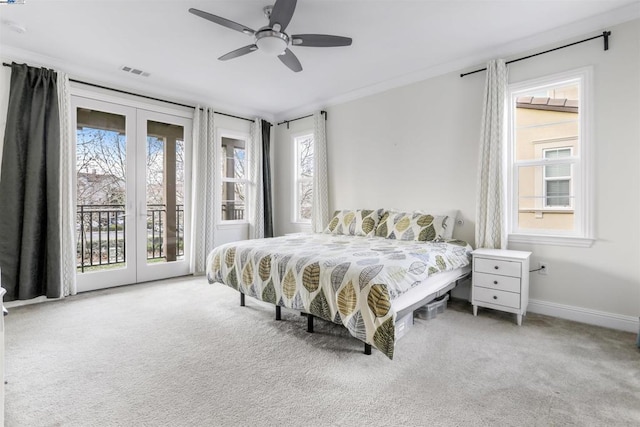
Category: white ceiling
[394,42]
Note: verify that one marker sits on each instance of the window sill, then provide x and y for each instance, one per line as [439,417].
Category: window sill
[548,210]
[230,224]
[306,224]
[540,239]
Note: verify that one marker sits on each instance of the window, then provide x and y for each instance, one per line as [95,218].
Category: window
[234,179]
[548,176]
[557,179]
[303,182]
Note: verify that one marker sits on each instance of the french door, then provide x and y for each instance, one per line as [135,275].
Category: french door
[132,194]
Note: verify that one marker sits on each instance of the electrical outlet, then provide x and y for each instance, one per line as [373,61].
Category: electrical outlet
[543,268]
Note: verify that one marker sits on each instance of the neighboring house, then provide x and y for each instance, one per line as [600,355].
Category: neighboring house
[546,128]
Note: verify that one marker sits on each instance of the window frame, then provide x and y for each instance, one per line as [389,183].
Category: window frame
[295,218]
[242,136]
[582,173]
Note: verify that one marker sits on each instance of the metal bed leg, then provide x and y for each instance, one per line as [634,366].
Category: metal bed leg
[278,313]
[310,323]
[241,299]
[367,349]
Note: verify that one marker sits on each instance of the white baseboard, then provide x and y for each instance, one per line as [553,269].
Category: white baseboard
[36,300]
[585,315]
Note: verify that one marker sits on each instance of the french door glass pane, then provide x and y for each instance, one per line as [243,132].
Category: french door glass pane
[101,146]
[165,192]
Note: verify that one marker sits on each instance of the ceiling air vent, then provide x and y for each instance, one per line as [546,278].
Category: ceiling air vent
[134,71]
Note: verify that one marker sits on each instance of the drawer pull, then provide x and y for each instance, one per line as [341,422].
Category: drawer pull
[495,297]
[495,282]
[496,267]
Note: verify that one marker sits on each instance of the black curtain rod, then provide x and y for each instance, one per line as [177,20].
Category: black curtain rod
[604,34]
[148,97]
[300,118]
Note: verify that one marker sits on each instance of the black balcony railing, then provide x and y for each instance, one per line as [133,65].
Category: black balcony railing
[156,218]
[101,233]
[232,211]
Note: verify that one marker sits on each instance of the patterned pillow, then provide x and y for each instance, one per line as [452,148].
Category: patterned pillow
[411,226]
[448,223]
[361,222]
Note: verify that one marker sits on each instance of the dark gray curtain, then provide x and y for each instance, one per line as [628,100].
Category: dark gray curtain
[30,187]
[266,178]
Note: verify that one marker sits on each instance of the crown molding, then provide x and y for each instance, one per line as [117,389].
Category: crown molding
[506,51]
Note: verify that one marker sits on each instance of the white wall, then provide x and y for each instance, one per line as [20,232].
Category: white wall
[605,277]
[416,147]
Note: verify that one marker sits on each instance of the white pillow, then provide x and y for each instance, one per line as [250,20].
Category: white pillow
[449,223]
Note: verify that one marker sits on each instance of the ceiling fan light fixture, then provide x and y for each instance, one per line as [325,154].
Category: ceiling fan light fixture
[272,42]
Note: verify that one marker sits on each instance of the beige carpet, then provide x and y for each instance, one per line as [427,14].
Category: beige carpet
[183,353]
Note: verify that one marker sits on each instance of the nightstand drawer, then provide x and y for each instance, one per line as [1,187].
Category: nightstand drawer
[506,299]
[496,266]
[494,281]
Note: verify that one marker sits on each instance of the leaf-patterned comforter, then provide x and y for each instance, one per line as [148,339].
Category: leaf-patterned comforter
[348,280]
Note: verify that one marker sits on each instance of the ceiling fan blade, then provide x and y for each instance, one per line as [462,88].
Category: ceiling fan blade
[282,12]
[290,60]
[239,52]
[222,21]
[320,40]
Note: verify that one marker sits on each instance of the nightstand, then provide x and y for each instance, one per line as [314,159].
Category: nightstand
[500,281]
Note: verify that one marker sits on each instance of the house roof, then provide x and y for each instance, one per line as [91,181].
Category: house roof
[550,104]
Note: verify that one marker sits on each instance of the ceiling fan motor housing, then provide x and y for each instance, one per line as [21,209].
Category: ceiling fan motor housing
[271,42]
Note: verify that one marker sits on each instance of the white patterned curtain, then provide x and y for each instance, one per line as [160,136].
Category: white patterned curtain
[203,207]
[255,202]
[67,199]
[490,211]
[320,202]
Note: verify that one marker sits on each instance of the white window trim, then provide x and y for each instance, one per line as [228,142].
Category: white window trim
[107,95]
[294,194]
[231,134]
[583,236]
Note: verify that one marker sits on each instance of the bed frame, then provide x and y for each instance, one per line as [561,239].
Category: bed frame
[367,347]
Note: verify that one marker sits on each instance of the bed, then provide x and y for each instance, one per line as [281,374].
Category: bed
[363,282]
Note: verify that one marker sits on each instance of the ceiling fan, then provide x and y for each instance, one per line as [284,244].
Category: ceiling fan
[272,39]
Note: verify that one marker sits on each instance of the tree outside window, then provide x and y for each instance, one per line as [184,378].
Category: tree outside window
[303,193]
